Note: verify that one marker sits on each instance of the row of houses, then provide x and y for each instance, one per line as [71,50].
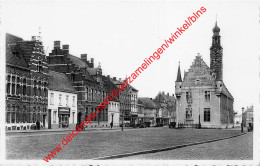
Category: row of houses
[61,89]
[160,110]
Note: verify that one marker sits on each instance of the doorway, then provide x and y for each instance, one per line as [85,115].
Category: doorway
[49,118]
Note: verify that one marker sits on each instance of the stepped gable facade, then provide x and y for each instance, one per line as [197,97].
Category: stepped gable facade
[202,97]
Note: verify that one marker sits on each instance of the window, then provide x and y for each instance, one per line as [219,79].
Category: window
[67,100]
[73,116]
[24,90]
[207,95]
[188,96]
[39,66]
[17,89]
[92,95]
[13,89]
[86,94]
[54,116]
[52,99]
[8,78]
[60,96]
[73,101]
[8,88]
[206,114]
[8,115]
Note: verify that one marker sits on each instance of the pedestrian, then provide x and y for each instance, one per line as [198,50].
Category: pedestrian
[241,127]
[37,125]
[111,125]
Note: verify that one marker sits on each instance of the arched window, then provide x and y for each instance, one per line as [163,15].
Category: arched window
[206,114]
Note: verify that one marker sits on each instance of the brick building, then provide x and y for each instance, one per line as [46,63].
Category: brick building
[128,103]
[86,79]
[26,83]
[151,110]
[202,96]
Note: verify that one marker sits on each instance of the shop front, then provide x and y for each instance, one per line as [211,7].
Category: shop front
[63,114]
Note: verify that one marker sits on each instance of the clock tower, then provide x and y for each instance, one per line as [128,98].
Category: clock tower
[216,54]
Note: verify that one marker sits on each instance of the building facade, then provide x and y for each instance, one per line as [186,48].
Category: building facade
[128,103]
[86,80]
[150,110]
[26,83]
[248,117]
[62,102]
[167,108]
[202,97]
[140,111]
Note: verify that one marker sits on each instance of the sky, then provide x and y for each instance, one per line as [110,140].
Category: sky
[120,34]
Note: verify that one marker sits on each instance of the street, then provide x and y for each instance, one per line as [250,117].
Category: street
[100,143]
[237,148]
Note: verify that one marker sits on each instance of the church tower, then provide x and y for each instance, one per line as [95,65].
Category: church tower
[216,54]
[178,83]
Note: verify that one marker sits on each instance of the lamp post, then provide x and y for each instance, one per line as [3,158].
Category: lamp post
[199,126]
[122,120]
[242,123]
[112,121]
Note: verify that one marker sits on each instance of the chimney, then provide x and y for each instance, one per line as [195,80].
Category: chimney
[168,94]
[108,76]
[163,92]
[56,44]
[92,62]
[33,38]
[65,48]
[84,56]
[114,78]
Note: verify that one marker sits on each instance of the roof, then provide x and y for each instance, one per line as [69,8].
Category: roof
[17,60]
[60,82]
[225,91]
[165,98]
[148,103]
[78,62]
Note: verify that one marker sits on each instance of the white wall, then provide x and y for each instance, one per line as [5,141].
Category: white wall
[55,104]
[114,108]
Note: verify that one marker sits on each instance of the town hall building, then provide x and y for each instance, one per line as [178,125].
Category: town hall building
[202,99]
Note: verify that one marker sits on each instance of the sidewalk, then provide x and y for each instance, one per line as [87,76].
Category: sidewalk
[63,130]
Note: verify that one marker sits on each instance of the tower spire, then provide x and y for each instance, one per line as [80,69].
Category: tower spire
[216,53]
[179,79]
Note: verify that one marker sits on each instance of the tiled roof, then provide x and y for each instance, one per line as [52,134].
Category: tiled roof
[17,60]
[148,103]
[78,62]
[60,82]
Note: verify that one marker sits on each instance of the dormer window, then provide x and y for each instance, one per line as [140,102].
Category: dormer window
[197,82]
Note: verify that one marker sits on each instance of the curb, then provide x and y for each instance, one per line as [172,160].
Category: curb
[163,149]
[65,130]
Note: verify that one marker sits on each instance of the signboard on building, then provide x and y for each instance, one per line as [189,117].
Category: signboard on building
[63,111]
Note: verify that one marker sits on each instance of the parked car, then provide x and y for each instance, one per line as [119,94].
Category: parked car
[172,124]
[158,125]
[147,124]
[142,125]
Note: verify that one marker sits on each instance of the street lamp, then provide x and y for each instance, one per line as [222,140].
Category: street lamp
[199,126]
[122,119]
[242,123]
